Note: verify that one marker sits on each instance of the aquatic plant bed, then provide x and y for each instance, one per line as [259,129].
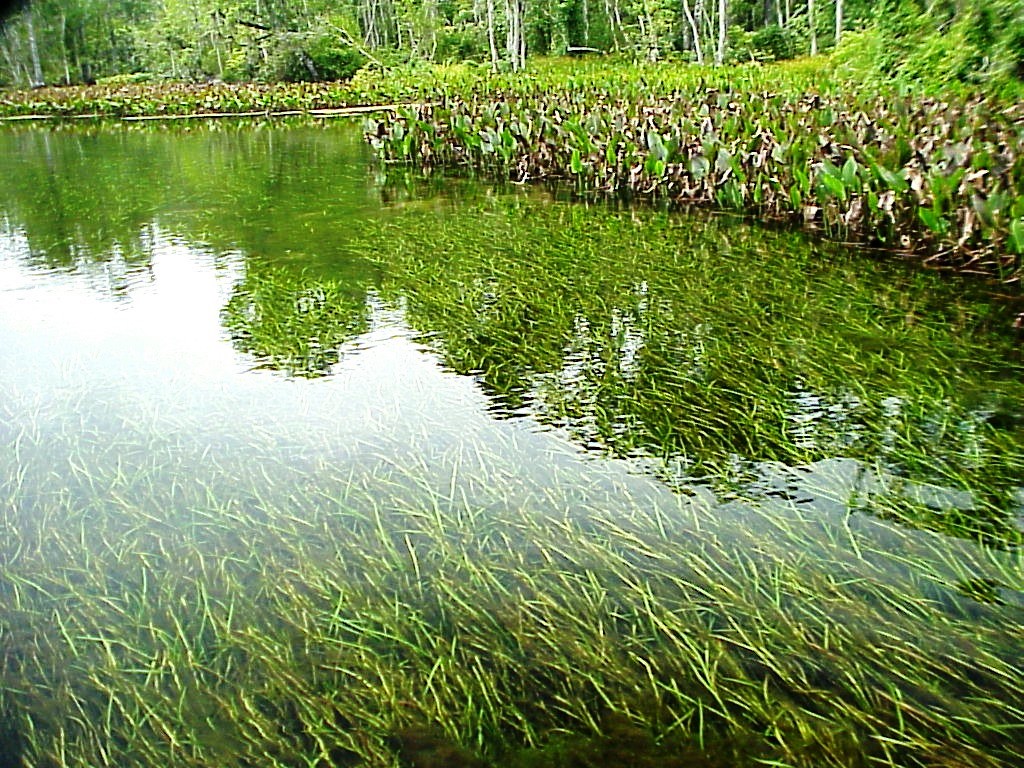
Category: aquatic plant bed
[943,179]
[303,465]
[167,100]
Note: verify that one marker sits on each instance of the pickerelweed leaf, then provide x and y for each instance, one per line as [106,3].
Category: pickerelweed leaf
[699,166]
[576,163]
[1017,235]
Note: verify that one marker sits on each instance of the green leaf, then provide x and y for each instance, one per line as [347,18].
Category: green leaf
[932,220]
[656,146]
[894,181]
[834,185]
[576,164]
[699,166]
[802,181]
[724,160]
[850,172]
[1017,235]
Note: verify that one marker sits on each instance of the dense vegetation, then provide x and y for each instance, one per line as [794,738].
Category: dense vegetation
[942,178]
[976,42]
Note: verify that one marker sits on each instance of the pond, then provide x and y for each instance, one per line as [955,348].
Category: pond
[310,462]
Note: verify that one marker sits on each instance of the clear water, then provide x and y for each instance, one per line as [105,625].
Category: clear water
[298,455]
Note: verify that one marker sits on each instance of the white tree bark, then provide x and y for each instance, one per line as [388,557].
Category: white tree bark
[812,24]
[490,36]
[722,27]
[64,48]
[839,21]
[694,31]
[515,40]
[33,48]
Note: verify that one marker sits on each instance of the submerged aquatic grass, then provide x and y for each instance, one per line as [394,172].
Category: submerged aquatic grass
[502,613]
[560,486]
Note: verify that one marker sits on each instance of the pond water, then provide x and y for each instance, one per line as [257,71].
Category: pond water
[306,462]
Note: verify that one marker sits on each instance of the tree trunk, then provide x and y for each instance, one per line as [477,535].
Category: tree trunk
[308,63]
[515,40]
[36,80]
[693,31]
[510,33]
[490,35]
[812,24]
[722,27]
[839,21]
[611,11]
[520,34]
[10,56]
[64,48]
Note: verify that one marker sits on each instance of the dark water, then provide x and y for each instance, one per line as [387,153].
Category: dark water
[306,463]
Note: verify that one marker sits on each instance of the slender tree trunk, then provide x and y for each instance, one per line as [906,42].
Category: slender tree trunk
[812,24]
[522,34]
[64,48]
[490,35]
[653,53]
[10,57]
[722,27]
[515,40]
[693,31]
[432,26]
[370,37]
[215,42]
[586,23]
[839,21]
[36,79]
[700,16]
[611,9]
[510,33]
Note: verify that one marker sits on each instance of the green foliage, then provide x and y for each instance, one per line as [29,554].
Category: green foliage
[977,45]
[315,57]
[454,45]
[910,173]
[115,81]
[774,41]
[771,43]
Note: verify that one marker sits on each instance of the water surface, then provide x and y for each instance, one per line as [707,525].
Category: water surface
[309,463]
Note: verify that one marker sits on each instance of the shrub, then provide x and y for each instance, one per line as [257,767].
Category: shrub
[303,58]
[460,45]
[774,43]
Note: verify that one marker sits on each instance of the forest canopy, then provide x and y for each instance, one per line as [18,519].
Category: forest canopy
[979,43]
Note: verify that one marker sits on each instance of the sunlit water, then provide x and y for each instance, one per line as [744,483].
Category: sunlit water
[239,358]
